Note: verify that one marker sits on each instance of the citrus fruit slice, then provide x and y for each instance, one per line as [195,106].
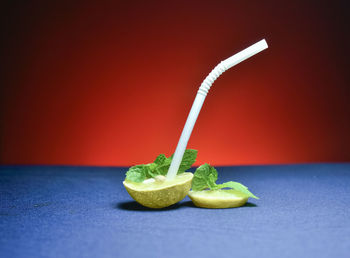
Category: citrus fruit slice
[216,199]
[159,194]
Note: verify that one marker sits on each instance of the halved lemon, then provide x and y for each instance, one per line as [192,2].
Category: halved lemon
[218,199]
[160,194]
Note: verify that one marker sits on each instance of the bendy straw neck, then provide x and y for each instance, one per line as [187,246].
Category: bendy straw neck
[201,94]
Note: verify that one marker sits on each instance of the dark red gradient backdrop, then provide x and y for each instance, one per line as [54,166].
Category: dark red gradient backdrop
[112,82]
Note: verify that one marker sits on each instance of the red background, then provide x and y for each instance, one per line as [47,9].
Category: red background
[112,82]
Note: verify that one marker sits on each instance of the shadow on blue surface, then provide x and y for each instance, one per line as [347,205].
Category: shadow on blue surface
[134,206]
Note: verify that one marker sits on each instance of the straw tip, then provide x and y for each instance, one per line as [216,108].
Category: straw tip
[263,44]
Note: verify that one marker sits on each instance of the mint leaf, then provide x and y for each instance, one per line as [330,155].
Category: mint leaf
[204,177]
[237,186]
[151,170]
[160,166]
[187,161]
[160,159]
[163,167]
[137,173]
[163,163]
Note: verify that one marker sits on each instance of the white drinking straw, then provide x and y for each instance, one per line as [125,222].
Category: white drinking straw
[201,94]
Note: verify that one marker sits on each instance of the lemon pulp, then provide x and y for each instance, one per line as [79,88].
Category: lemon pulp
[216,199]
[160,194]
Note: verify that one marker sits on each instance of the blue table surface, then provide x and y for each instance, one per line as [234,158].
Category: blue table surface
[57,211]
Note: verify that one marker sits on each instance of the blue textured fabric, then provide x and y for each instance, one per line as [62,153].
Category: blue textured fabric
[304,211]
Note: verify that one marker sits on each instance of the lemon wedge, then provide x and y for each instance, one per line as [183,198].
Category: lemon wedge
[160,193]
[218,199]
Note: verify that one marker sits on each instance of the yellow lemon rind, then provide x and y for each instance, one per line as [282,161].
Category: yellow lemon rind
[205,201]
[160,197]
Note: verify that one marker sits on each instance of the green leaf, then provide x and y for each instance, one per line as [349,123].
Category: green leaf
[151,170]
[160,159]
[160,166]
[188,159]
[204,177]
[163,163]
[237,186]
[164,167]
[137,173]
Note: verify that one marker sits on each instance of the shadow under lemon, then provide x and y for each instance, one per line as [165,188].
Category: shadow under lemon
[134,206]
